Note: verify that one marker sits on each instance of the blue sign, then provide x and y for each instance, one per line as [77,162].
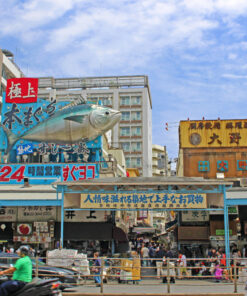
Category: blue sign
[242,165]
[18,119]
[222,165]
[203,166]
[24,149]
[47,173]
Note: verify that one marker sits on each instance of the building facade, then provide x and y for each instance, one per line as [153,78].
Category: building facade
[129,94]
[160,161]
[213,149]
[8,69]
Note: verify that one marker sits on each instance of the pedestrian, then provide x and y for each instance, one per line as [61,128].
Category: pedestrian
[236,255]
[145,255]
[159,261]
[218,271]
[182,262]
[96,269]
[172,272]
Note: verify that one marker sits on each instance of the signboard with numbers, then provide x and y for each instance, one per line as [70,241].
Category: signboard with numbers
[36,213]
[143,201]
[47,173]
[213,133]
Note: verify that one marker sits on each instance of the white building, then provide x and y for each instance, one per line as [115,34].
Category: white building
[161,167]
[8,69]
[129,94]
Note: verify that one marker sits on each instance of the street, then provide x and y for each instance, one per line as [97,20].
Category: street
[151,286]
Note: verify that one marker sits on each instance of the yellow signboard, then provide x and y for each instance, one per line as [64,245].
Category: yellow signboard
[142,201]
[213,133]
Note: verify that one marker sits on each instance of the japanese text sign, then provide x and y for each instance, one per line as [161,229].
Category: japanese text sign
[25,149]
[143,201]
[22,90]
[213,133]
[195,216]
[49,173]
[36,213]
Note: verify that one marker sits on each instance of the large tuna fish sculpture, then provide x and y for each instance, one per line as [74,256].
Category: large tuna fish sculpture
[71,124]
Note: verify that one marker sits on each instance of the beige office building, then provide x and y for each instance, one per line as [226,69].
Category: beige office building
[129,94]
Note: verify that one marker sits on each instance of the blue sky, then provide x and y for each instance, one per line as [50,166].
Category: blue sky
[194,51]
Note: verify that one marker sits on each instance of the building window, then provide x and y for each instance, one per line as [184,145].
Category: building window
[93,100]
[126,146]
[124,100]
[4,73]
[136,162]
[136,146]
[125,116]
[106,101]
[136,131]
[135,100]
[127,160]
[136,115]
[125,131]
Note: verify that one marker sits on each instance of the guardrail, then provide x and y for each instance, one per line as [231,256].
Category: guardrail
[144,271]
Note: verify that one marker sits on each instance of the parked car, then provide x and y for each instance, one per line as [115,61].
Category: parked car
[67,276]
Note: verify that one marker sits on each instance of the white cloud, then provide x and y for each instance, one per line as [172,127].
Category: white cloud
[234,76]
[194,50]
[23,16]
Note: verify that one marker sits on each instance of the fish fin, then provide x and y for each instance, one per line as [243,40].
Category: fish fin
[78,119]
[79,101]
[11,138]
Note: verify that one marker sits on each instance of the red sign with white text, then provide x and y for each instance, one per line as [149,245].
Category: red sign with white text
[22,90]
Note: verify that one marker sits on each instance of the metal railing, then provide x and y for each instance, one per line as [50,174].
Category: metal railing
[169,272]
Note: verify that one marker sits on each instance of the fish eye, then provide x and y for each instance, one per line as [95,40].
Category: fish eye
[107,113]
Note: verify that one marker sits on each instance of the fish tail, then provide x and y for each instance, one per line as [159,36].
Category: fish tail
[11,138]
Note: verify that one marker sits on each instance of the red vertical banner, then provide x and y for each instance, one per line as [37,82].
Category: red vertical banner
[22,90]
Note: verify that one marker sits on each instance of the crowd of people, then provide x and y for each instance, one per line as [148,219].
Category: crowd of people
[213,266]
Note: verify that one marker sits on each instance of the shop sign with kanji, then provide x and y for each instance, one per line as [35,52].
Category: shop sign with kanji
[36,213]
[143,201]
[22,90]
[213,133]
[48,173]
[29,125]
[195,216]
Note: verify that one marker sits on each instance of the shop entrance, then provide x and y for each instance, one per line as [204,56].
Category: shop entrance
[157,193]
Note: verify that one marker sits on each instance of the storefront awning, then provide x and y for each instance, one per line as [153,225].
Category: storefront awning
[143,230]
[85,231]
[119,235]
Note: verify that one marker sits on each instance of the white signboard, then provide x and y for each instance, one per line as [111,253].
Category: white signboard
[36,213]
[195,216]
[8,214]
[86,216]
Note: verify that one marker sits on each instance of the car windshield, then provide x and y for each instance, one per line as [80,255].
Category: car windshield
[39,262]
[6,259]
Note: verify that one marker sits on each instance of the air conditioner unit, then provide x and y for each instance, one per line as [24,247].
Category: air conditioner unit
[243,182]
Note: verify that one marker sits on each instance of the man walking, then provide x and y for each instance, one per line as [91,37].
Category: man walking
[96,269]
[159,261]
